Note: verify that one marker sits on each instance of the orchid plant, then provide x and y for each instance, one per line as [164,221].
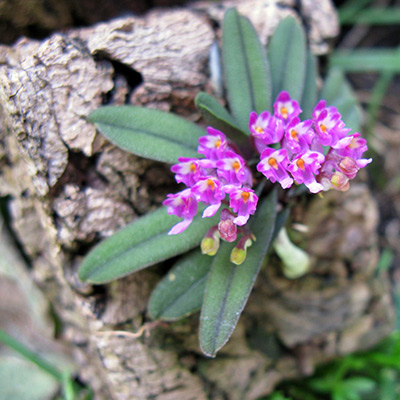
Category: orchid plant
[232,173]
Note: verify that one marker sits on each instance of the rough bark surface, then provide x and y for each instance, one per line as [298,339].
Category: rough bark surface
[69,188]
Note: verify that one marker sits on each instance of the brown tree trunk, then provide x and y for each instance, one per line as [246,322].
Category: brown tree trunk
[70,188]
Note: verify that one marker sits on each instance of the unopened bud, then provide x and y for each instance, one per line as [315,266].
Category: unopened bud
[226,227]
[238,256]
[349,167]
[210,243]
[340,181]
[239,252]
[227,230]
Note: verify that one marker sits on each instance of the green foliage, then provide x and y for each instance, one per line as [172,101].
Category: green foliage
[246,69]
[367,60]
[229,286]
[143,243]
[148,133]
[370,16]
[372,375]
[181,292]
[219,118]
[310,95]
[32,383]
[215,285]
[287,56]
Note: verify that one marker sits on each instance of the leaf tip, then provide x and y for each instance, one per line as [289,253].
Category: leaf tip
[210,354]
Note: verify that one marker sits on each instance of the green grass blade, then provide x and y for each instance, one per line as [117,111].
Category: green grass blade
[350,9]
[362,60]
[246,68]
[20,348]
[372,16]
[148,133]
[376,99]
[141,244]
[229,286]
[181,292]
[287,58]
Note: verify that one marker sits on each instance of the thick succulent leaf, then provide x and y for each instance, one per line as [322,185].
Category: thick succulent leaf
[181,291]
[142,243]
[148,133]
[337,92]
[229,286]
[246,68]
[309,98]
[287,58]
[219,118]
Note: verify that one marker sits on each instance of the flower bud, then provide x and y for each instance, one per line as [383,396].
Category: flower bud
[340,181]
[238,255]
[349,167]
[227,230]
[226,227]
[239,252]
[210,243]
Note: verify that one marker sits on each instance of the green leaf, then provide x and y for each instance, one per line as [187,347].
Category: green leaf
[30,355]
[309,98]
[246,68]
[322,385]
[372,16]
[229,286]
[148,133]
[181,292]
[337,92]
[350,9]
[360,384]
[143,243]
[366,60]
[287,58]
[218,117]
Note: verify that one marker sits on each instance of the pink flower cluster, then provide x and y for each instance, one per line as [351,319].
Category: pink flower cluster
[317,152]
[222,172]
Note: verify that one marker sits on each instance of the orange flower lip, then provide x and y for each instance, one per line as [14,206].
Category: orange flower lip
[272,162]
[211,183]
[284,112]
[300,164]
[236,166]
[323,128]
[293,135]
[245,196]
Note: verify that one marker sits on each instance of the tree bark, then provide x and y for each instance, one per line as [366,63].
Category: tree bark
[70,188]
